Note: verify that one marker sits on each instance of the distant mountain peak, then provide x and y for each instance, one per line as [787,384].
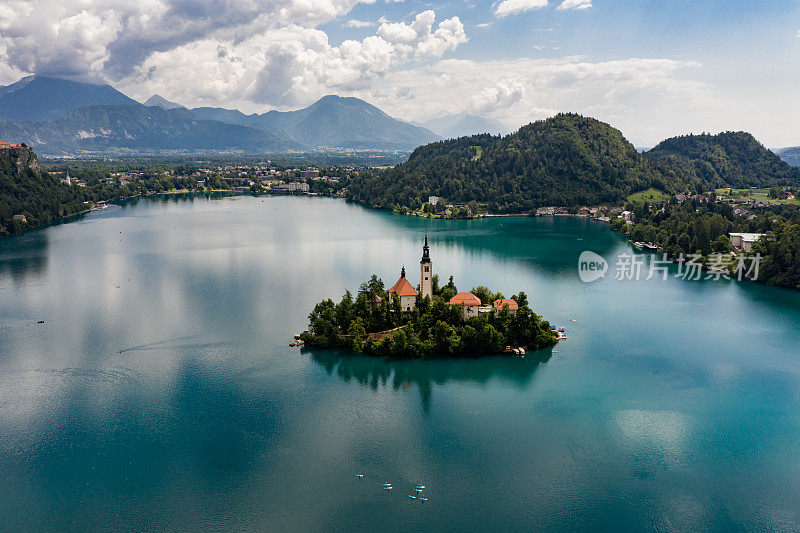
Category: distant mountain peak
[37,98]
[335,99]
[159,101]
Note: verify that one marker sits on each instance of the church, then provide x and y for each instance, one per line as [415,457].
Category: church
[472,305]
[403,288]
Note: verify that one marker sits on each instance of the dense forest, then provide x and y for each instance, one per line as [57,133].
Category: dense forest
[433,329]
[26,190]
[729,159]
[564,160]
[702,228]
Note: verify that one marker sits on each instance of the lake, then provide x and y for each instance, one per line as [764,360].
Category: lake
[160,392]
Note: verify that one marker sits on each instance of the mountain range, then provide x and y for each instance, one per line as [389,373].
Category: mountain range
[464,124]
[332,121]
[790,155]
[139,129]
[64,117]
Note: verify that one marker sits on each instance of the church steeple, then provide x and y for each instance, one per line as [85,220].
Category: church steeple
[426,256]
[403,272]
[426,272]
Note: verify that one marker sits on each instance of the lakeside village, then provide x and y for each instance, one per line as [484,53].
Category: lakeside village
[428,321]
[238,178]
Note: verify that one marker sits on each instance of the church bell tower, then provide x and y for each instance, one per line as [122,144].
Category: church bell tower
[426,272]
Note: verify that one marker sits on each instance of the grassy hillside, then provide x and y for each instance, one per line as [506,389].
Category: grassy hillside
[650,196]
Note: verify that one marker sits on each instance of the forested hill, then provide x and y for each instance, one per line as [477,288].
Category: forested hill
[729,159]
[26,190]
[569,160]
[564,160]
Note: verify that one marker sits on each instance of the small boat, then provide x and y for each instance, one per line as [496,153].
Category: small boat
[423,499]
[420,487]
[412,496]
[359,475]
[572,320]
[40,322]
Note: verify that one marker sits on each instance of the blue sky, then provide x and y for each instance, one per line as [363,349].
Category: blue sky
[651,68]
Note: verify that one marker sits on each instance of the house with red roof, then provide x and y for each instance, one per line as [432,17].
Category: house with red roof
[470,302]
[404,292]
[508,303]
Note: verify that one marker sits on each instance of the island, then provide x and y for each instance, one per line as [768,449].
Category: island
[428,322]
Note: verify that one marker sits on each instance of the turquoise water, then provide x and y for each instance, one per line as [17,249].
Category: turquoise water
[673,405]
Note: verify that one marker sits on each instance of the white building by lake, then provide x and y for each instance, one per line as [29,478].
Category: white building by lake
[743,242]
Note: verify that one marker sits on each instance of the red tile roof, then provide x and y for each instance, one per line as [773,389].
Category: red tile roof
[499,304]
[466,298]
[403,288]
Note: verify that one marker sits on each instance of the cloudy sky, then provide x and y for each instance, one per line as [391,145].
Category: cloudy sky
[653,68]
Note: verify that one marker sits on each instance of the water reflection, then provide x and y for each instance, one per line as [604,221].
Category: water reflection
[549,244]
[174,198]
[120,432]
[24,256]
[374,372]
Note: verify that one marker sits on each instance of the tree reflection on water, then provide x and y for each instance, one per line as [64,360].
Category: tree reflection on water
[375,372]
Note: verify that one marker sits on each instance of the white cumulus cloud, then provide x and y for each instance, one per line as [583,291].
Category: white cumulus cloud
[574,4]
[111,38]
[419,36]
[289,66]
[245,53]
[643,97]
[514,7]
[502,94]
[353,23]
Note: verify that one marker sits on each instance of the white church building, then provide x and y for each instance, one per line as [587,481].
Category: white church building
[403,288]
